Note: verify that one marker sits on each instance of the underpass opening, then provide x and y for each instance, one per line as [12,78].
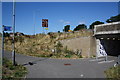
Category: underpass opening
[110,43]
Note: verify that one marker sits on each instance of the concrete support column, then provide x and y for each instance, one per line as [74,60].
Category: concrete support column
[100,49]
[97,48]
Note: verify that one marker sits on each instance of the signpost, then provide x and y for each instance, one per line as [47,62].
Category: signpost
[45,24]
[3,41]
[4,28]
[118,7]
[8,28]
[13,43]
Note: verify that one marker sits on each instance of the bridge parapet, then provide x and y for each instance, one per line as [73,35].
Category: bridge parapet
[109,28]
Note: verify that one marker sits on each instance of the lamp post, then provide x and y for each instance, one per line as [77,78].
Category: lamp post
[13,42]
[34,21]
[119,7]
[3,41]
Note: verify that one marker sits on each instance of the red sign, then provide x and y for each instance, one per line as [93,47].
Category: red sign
[44,22]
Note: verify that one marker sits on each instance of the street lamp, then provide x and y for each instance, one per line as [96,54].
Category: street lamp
[13,42]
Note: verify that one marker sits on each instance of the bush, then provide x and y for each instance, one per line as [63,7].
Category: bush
[68,53]
[68,56]
[58,47]
[52,35]
[11,72]
[113,73]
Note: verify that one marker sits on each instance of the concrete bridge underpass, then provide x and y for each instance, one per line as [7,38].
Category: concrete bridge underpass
[108,35]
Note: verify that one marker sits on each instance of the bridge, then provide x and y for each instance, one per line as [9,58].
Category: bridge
[108,35]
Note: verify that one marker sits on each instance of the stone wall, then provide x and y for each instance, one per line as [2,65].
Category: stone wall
[86,44]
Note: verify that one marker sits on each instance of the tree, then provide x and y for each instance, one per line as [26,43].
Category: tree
[80,26]
[66,28]
[58,31]
[95,23]
[51,34]
[113,19]
[6,34]
[0,34]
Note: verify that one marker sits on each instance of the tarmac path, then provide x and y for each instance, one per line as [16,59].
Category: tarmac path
[63,68]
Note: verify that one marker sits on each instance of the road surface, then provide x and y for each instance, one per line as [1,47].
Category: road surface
[63,68]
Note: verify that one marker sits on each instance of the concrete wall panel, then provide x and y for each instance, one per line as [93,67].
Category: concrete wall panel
[86,44]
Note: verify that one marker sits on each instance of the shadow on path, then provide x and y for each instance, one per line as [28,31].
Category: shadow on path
[34,62]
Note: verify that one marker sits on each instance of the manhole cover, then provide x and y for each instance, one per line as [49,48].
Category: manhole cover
[66,64]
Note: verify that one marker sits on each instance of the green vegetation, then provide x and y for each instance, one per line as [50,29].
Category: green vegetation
[95,23]
[0,34]
[11,72]
[64,52]
[66,28]
[113,19]
[41,45]
[93,56]
[113,73]
[79,27]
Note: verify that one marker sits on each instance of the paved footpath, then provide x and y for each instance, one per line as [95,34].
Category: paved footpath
[63,68]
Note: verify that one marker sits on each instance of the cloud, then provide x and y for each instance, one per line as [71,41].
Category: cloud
[81,22]
[64,22]
[67,22]
[61,20]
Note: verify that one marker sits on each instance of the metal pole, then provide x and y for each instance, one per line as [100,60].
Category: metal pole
[34,21]
[106,58]
[2,41]
[43,31]
[118,7]
[119,59]
[13,43]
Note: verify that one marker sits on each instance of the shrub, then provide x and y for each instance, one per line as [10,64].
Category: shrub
[58,47]
[113,73]
[68,56]
[65,50]
[52,35]
[12,72]
[68,53]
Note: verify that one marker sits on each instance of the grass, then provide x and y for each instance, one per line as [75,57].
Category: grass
[11,72]
[113,73]
[41,45]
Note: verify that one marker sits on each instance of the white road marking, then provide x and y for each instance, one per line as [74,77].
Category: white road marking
[96,59]
[105,61]
[81,75]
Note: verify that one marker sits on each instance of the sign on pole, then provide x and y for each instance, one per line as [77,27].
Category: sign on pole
[7,28]
[44,22]
[46,28]
[4,28]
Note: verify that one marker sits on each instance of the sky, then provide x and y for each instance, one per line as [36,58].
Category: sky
[29,15]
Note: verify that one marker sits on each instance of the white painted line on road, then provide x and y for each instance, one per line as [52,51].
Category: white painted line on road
[93,60]
[96,59]
[81,75]
[105,61]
